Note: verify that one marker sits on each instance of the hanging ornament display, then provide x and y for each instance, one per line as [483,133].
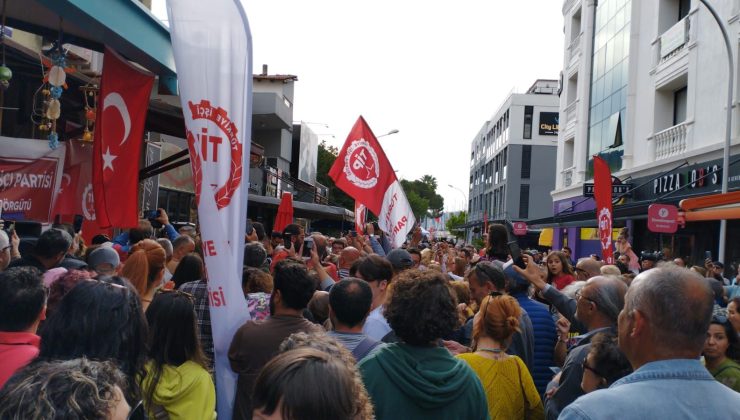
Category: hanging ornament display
[55,81]
[90,93]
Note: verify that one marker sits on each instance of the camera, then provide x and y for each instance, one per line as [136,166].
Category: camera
[307,247]
[151,216]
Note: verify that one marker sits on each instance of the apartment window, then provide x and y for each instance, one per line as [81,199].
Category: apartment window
[528,112]
[683,8]
[524,201]
[504,157]
[679,106]
[526,161]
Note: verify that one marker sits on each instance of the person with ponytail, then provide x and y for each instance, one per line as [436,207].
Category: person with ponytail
[510,390]
[144,268]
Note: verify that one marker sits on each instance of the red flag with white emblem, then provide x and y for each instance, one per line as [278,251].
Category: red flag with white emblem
[363,171]
[603,197]
[119,128]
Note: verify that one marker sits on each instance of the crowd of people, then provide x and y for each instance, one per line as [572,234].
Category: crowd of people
[349,328]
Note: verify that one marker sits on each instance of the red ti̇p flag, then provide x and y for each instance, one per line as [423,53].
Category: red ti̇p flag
[119,127]
[603,196]
[363,172]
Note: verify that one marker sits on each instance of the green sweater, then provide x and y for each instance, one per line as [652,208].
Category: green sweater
[409,382]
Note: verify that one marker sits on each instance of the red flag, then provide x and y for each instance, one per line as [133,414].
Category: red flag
[284,213]
[360,217]
[363,172]
[119,127]
[603,196]
[75,194]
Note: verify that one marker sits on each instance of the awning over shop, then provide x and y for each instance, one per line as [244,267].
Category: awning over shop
[546,237]
[124,25]
[712,207]
[307,210]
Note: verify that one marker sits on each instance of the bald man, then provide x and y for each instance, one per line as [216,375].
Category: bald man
[662,331]
[347,257]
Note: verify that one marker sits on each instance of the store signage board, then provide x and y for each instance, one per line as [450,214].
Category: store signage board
[624,190]
[520,228]
[662,218]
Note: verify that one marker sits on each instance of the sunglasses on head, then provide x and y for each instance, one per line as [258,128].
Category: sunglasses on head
[177,292]
[719,319]
[138,412]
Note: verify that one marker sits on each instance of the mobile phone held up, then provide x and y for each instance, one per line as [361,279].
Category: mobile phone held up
[307,247]
[151,216]
[516,254]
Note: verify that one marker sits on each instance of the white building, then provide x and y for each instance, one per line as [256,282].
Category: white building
[644,85]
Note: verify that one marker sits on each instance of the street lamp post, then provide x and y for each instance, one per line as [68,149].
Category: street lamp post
[394,131]
[465,203]
[728,124]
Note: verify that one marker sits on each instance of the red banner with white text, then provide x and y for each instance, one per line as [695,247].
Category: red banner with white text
[30,173]
[603,197]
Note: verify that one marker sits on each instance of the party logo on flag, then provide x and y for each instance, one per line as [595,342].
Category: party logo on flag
[208,147]
[361,164]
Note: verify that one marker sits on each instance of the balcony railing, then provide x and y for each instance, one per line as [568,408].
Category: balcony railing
[570,114]
[568,177]
[574,48]
[671,141]
[674,39]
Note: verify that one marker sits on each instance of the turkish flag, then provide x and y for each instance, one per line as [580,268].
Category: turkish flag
[603,197]
[119,128]
[363,172]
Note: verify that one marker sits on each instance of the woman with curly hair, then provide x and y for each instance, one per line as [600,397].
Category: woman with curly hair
[509,387]
[559,271]
[66,389]
[177,384]
[416,378]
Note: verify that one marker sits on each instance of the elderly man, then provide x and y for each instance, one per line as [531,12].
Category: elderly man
[662,330]
[347,257]
[597,307]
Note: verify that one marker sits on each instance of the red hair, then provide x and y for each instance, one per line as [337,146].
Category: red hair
[146,260]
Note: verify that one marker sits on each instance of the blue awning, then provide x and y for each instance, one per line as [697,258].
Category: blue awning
[123,25]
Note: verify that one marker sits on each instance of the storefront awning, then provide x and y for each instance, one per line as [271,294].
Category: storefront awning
[306,210]
[712,207]
[126,26]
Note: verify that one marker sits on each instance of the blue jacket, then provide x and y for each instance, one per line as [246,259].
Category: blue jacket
[545,338]
[668,389]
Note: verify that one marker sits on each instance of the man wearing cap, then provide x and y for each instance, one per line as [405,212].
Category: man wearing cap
[717,271]
[378,273]
[400,259]
[104,261]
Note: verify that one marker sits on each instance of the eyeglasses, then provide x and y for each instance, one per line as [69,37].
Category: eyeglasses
[138,412]
[719,319]
[177,292]
[586,367]
[580,296]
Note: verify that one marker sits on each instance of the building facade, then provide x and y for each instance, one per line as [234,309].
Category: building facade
[512,158]
[644,86]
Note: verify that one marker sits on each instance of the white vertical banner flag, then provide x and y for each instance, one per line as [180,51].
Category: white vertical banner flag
[212,45]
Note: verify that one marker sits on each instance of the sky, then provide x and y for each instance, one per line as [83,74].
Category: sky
[436,71]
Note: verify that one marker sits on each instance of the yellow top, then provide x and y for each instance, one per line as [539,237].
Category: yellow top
[502,383]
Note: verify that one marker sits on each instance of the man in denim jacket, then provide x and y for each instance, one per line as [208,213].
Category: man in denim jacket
[662,330]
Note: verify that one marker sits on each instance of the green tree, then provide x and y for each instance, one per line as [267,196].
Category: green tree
[426,201]
[455,222]
[327,156]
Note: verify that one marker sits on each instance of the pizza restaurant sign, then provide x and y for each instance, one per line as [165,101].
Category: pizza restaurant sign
[695,178]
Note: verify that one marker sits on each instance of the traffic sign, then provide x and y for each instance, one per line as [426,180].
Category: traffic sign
[662,218]
[625,190]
